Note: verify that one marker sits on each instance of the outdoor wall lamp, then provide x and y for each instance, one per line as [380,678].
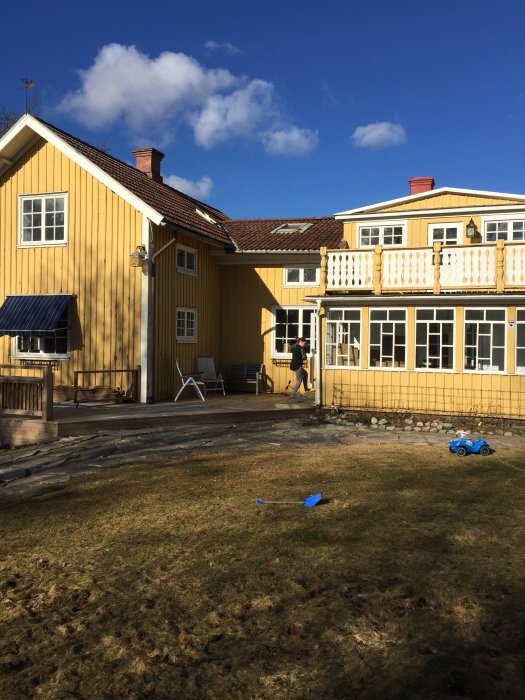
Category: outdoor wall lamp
[472,231]
[136,259]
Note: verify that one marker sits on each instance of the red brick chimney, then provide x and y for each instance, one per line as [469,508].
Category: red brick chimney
[421,184]
[148,162]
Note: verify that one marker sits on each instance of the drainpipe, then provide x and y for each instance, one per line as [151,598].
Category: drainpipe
[318,379]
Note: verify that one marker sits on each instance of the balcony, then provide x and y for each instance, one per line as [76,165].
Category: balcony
[499,267]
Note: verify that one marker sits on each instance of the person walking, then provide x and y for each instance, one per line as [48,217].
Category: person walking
[296,365]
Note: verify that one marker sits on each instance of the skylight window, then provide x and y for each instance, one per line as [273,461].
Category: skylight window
[292,227]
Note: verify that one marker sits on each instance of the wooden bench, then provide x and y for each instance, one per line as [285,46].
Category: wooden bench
[247,373]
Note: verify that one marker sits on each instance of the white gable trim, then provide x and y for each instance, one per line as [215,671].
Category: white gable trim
[83,162]
[424,195]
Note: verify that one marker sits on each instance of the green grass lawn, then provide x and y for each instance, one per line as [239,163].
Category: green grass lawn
[168,581]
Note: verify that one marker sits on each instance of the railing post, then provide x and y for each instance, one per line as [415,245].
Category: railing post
[323,271]
[500,266]
[47,393]
[437,268]
[378,254]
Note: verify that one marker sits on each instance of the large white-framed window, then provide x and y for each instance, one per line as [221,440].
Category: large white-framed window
[445,233]
[435,339]
[42,220]
[301,276]
[381,233]
[388,332]
[485,340]
[186,325]
[53,346]
[186,259]
[520,341]
[343,338]
[503,229]
[289,323]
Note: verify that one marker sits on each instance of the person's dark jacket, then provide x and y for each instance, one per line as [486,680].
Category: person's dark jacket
[297,358]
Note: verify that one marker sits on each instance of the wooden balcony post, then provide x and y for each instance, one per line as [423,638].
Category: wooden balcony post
[378,254]
[323,271]
[500,266]
[437,268]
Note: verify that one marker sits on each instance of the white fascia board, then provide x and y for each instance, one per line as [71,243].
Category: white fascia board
[426,195]
[444,299]
[83,162]
[435,213]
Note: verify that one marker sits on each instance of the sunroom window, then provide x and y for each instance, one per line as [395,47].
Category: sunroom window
[434,338]
[520,341]
[343,338]
[387,338]
[42,220]
[485,340]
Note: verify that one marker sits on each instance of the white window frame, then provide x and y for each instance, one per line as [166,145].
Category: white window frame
[520,323]
[19,355]
[499,219]
[301,282]
[382,225]
[440,322]
[477,370]
[382,321]
[458,225]
[184,268]
[301,325]
[186,313]
[42,197]
[340,330]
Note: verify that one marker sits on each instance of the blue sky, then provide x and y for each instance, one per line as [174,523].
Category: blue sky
[283,108]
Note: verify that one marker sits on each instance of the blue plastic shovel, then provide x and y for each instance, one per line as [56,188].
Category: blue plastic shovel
[309,502]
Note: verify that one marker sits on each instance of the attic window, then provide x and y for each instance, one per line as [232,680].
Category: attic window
[290,227]
[205,216]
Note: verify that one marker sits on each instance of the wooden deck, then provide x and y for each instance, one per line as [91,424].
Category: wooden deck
[90,418]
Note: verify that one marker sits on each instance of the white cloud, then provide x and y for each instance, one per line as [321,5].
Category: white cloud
[225,46]
[199,189]
[291,141]
[152,97]
[379,136]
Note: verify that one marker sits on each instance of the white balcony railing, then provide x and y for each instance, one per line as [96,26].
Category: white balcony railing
[489,267]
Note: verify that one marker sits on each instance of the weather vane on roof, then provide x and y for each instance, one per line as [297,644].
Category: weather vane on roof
[28,84]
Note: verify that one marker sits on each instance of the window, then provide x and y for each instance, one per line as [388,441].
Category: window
[54,346]
[301,277]
[434,338]
[343,338]
[446,234]
[387,337]
[485,340]
[289,324]
[520,341]
[507,230]
[381,234]
[291,227]
[186,326]
[42,220]
[186,260]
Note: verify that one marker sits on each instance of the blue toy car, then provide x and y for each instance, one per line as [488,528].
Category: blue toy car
[464,446]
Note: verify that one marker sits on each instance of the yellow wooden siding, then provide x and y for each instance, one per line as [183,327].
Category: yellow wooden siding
[409,390]
[177,289]
[102,231]
[248,297]
[443,201]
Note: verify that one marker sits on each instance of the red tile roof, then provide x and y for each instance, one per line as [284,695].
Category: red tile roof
[176,207]
[256,234]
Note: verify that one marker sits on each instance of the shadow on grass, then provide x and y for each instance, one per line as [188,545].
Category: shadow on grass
[406,583]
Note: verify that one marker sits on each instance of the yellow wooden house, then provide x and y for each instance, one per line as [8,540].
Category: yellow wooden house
[414,304]
[424,310]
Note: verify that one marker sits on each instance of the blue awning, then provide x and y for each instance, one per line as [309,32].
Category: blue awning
[32,314]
